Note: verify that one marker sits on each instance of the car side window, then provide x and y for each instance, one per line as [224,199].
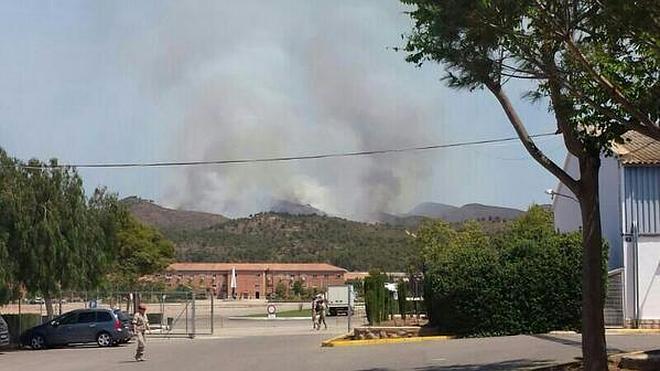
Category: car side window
[103,317]
[67,320]
[86,317]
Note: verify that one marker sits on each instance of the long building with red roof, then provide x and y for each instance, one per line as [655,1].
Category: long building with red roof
[251,280]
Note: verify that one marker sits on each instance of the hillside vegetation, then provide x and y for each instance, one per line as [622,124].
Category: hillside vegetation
[283,237]
[163,218]
[297,238]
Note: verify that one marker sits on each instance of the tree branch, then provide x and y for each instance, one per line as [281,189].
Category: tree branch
[529,144]
[562,113]
[612,90]
[651,132]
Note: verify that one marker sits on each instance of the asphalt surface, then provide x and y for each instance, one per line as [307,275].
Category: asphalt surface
[294,346]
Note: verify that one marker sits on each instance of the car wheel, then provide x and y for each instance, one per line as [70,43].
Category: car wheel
[104,339]
[37,342]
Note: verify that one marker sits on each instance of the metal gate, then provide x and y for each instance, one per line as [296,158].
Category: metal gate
[613,310]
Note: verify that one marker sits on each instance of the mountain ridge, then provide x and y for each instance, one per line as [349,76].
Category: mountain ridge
[293,238]
[158,216]
[161,217]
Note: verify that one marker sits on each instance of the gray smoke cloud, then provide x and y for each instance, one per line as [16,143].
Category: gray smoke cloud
[259,79]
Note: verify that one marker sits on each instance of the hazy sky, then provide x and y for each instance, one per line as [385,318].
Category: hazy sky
[134,81]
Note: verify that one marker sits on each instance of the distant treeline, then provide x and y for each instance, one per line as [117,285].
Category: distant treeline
[303,238]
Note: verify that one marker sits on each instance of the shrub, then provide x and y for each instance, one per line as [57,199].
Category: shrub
[18,324]
[526,280]
[281,290]
[402,293]
[375,297]
[298,288]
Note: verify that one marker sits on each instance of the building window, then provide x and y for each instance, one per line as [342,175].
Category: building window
[313,275]
[339,276]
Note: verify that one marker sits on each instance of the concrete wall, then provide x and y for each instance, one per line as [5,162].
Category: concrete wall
[610,209]
[567,211]
[649,278]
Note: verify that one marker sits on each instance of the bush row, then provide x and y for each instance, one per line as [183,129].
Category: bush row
[19,323]
[527,280]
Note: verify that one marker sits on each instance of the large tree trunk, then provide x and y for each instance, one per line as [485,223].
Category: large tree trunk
[594,348]
[48,300]
[593,324]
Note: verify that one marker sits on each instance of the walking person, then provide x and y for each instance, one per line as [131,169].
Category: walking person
[314,314]
[140,326]
[320,312]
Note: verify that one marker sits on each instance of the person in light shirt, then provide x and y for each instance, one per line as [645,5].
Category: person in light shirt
[140,326]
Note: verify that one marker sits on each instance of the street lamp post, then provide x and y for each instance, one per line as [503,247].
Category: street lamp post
[552,194]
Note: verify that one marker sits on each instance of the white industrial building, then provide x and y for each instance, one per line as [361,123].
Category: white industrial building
[630,214]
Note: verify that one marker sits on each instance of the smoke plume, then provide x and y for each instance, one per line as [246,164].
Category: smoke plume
[260,79]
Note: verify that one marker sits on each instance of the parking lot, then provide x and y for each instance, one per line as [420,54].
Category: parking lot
[292,345]
[259,344]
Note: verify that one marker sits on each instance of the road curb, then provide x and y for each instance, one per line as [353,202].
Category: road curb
[614,331]
[341,341]
[632,331]
[270,319]
[637,360]
[558,367]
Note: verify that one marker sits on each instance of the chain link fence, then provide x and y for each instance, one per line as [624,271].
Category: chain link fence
[172,313]
[182,313]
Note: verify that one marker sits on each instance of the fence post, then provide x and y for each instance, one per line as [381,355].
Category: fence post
[350,305]
[192,335]
[187,304]
[20,321]
[212,313]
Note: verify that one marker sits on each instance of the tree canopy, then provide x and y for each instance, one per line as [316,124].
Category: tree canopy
[141,250]
[594,61]
[55,238]
[597,59]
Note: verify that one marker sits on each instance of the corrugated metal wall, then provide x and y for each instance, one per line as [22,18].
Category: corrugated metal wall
[642,199]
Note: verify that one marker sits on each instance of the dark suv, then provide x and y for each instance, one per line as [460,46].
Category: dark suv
[4,333]
[102,326]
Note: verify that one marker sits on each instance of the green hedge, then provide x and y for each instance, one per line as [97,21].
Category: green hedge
[526,280]
[375,297]
[16,326]
[402,293]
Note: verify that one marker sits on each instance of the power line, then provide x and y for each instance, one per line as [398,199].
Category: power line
[283,159]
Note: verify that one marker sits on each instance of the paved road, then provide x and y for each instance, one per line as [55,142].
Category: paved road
[297,348]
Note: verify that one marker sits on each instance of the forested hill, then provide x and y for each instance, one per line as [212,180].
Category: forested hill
[297,238]
[306,237]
